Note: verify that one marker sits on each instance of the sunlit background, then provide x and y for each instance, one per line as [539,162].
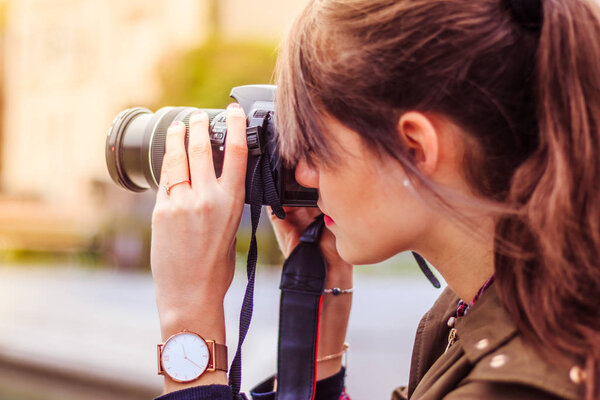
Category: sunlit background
[77,312]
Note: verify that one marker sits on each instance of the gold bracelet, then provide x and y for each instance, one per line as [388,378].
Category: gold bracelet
[336,355]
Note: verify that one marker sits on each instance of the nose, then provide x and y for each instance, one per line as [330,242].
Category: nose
[307,176]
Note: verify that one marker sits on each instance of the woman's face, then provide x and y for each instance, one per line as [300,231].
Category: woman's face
[375,215]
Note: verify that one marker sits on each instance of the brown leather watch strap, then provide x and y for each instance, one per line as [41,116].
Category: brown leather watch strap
[218,356]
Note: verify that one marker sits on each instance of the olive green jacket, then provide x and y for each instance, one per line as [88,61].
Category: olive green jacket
[488,360]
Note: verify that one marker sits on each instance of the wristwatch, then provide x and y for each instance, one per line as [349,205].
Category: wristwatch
[185,356]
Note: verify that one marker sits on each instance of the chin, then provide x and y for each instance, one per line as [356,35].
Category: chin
[360,255]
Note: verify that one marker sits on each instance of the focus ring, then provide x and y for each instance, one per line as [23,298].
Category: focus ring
[158,143]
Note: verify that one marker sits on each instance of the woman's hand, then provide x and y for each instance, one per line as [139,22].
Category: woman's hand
[335,310]
[193,230]
[289,230]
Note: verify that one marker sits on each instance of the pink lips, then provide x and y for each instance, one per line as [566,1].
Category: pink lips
[328,220]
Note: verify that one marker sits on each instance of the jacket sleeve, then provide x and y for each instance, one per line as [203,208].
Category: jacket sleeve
[400,393]
[210,392]
[478,390]
[327,389]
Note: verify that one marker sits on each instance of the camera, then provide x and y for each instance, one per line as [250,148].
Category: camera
[135,145]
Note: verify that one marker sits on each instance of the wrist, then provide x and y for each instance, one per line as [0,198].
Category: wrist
[326,369]
[335,314]
[210,324]
[339,275]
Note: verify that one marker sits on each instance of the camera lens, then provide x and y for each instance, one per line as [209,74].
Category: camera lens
[135,145]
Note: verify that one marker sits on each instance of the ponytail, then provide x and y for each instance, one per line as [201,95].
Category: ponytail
[554,291]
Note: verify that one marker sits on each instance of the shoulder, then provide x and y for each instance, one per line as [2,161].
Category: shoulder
[489,360]
[504,362]
[498,391]
[519,366]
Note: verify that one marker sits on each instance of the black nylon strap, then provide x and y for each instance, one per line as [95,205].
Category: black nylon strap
[426,270]
[263,191]
[302,285]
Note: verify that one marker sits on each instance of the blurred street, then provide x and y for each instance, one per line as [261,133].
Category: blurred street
[97,328]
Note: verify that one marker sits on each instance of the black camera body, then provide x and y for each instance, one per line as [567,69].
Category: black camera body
[135,145]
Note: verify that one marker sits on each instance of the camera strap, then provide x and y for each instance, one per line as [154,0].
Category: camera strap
[302,285]
[262,191]
[426,270]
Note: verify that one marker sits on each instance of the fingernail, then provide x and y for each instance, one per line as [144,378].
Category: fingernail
[175,123]
[233,106]
[198,115]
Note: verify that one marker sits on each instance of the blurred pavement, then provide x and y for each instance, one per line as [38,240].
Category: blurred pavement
[101,325]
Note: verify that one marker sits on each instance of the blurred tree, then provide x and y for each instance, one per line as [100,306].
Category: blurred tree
[204,76]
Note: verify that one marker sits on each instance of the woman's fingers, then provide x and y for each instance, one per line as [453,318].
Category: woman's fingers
[200,151]
[236,151]
[289,230]
[175,161]
[162,195]
[295,217]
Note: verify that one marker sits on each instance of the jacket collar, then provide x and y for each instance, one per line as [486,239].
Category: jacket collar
[485,327]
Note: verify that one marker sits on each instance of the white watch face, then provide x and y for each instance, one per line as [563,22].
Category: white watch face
[185,357]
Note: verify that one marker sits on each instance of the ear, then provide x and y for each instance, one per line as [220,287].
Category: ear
[421,137]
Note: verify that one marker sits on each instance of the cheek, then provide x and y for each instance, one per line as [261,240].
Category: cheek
[366,242]
[375,217]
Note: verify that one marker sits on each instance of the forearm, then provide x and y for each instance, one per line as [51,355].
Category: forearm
[335,313]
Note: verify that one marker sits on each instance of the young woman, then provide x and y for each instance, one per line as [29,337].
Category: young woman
[467,131]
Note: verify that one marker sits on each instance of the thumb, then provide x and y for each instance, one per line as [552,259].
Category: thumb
[296,218]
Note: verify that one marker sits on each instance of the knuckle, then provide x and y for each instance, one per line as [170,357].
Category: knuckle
[179,210]
[158,214]
[235,193]
[175,159]
[201,210]
[239,196]
[237,201]
[234,202]
[199,150]
[174,131]
[237,149]
[204,207]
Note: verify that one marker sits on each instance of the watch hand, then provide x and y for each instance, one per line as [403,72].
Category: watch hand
[183,348]
[193,363]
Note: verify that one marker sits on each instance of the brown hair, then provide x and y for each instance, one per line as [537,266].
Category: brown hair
[530,100]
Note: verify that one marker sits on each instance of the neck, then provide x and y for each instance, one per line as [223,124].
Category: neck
[464,258]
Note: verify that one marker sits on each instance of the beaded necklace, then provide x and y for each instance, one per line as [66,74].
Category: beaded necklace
[463,307]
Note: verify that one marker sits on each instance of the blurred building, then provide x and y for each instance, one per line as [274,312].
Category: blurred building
[69,67]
